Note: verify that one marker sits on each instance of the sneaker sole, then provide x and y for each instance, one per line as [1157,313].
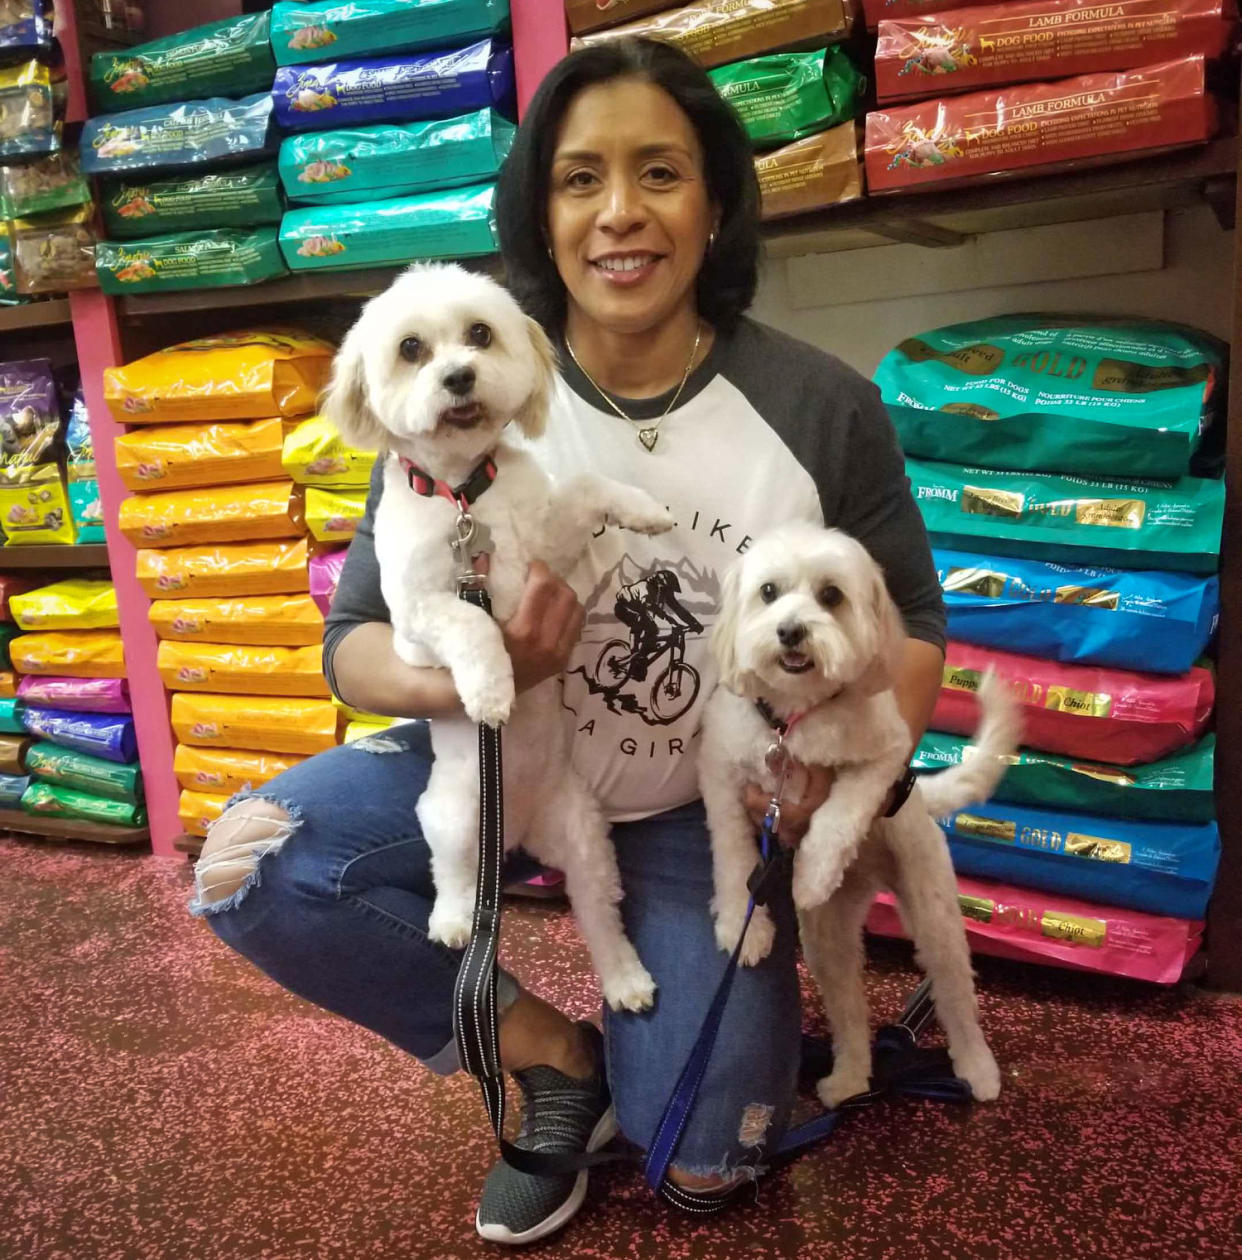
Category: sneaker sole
[605,1130]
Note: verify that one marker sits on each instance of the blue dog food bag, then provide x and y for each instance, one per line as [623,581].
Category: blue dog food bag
[1160,622]
[84,502]
[395,89]
[1163,868]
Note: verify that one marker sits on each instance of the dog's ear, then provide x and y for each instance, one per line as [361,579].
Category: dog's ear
[890,636]
[724,632]
[532,416]
[344,403]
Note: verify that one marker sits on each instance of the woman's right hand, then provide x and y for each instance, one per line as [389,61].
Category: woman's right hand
[543,631]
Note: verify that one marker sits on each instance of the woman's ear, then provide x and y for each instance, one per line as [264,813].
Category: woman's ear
[344,403]
[532,416]
[724,632]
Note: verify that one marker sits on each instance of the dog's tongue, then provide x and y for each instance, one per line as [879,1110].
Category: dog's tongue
[463,414]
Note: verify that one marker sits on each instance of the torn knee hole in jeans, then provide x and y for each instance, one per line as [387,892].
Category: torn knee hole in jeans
[379,744]
[247,831]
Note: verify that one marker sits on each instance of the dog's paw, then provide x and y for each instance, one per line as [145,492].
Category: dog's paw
[814,880]
[978,1069]
[760,936]
[487,695]
[629,987]
[842,1083]
[450,924]
[636,510]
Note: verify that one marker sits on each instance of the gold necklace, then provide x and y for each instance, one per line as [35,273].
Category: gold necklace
[649,435]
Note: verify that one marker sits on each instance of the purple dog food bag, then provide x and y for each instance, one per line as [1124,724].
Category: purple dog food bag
[106,735]
[325,573]
[29,412]
[89,695]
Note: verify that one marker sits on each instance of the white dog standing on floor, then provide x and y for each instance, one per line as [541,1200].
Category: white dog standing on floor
[808,643]
[430,375]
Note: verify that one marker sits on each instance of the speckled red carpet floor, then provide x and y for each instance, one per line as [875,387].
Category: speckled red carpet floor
[160,1099]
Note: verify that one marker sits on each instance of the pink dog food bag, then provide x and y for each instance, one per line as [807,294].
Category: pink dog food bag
[325,573]
[1113,715]
[85,695]
[1030,926]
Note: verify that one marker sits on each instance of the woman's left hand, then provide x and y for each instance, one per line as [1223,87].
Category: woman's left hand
[806,789]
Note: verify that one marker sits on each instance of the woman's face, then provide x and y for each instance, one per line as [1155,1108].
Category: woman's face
[629,212]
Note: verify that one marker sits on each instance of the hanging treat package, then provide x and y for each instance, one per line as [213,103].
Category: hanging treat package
[106,735]
[315,454]
[227,770]
[26,30]
[228,58]
[89,695]
[72,604]
[246,196]
[1119,716]
[237,669]
[189,260]
[28,127]
[1129,619]
[84,501]
[261,620]
[198,810]
[333,515]
[52,183]
[365,28]
[29,413]
[1096,397]
[75,653]
[454,223]
[246,375]
[55,253]
[259,723]
[224,570]
[325,573]
[822,170]
[260,510]
[175,137]
[395,89]
[788,96]
[394,160]
[192,456]
[34,506]
[59,802]
[1174,789]
[84,773]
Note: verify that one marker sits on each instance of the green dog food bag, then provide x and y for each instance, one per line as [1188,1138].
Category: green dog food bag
[59,802]
[1174,789]
[228,58]
[454,224]
[1093,396]
[65,767]
[52,183]
[189,260]
[365,163]
[245,196]
[788,96]
[1074,520]
[9,295]
[366,28]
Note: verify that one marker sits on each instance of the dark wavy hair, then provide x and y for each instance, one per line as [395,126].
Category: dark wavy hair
[729,274]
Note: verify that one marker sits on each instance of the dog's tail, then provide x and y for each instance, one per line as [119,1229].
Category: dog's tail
[996,740]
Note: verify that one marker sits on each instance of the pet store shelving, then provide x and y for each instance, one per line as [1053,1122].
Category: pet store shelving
[52,314]
[49,556]
[16,821]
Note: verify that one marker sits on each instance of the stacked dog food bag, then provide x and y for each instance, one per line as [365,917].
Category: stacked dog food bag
[72,707]
[223,553]
[976,90]
[13,743]
[797,106]
[1067,471]
[401,112]
[183,146]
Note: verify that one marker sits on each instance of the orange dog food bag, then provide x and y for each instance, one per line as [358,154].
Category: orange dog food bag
[226,570]
[266,509]
[261,723]
[264,620]
[185,456]
[238,669]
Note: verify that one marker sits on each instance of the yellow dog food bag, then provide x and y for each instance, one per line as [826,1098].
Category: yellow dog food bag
[277,620]
[263,510]
[186,456]
[351,714]
[198,810]
[360,730]
[227,770]
[76,653]
[315,454]
[227,570]
[34,505]
[8,684]
[237,669]
[243,375]
[333,515]
[261,723]
[74,604]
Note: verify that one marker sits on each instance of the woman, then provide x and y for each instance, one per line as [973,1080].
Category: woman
[628,219]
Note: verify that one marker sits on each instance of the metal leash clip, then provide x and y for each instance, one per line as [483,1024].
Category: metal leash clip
[470,539]
[769,872]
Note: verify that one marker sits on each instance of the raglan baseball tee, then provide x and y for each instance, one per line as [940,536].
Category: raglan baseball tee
[767,430]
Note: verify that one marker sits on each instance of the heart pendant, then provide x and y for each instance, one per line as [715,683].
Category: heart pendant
[649,437]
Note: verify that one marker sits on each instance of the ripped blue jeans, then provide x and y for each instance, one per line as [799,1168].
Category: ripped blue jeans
[334,905]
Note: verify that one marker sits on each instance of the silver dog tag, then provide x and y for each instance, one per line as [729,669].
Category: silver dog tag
[776,759]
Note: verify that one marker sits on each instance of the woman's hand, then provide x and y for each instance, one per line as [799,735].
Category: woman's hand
[806,789]
[543,631]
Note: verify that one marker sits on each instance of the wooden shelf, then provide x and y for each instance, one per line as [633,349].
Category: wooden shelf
[52,556]
[70,828]
[186,843]
[52,314]
[948,217]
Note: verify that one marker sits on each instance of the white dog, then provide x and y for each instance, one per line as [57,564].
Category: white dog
[808,642]
[430,375]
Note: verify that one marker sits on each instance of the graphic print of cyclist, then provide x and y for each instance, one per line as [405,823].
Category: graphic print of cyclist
[658,623]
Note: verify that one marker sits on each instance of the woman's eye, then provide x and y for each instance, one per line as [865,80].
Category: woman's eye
[579,179]
[661,174]
[411,348]
[480,335]
[830,596]
[768,592]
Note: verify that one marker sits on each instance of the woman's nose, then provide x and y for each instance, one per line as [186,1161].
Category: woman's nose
[622,210]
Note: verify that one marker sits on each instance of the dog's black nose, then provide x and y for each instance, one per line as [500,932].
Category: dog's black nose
[791,633]
[459,380]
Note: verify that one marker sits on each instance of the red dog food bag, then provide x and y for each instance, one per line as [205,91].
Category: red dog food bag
[1091,119]
[1116,716]
[963,50]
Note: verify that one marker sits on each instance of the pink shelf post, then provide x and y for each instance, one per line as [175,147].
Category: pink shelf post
[540,40]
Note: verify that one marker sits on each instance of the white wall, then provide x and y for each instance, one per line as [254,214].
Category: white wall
[1193,287]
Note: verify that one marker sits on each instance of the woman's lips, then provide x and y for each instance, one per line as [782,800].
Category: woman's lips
[628,276]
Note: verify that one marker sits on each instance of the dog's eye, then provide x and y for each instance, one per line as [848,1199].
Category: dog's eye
[411,349]
[768,592]
[830,596]
[480,335]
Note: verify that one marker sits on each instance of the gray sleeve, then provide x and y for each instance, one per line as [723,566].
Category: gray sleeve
[877,508]
[358,598]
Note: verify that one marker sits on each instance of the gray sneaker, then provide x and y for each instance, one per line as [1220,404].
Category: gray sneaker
[560,1114]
